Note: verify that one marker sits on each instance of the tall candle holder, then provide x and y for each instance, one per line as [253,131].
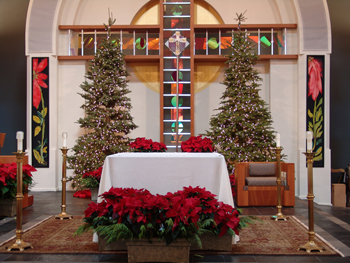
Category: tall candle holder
[279,215]
[310,245]
[19,243]
[63,214]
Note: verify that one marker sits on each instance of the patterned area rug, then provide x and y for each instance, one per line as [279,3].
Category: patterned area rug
[267,237]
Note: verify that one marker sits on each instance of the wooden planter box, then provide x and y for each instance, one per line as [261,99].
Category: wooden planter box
[8,207]
[94,194]
[113,246]
[209,242]
[212,242]
[141,250]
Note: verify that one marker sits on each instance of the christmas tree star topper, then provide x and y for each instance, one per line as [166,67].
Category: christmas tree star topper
[240,18]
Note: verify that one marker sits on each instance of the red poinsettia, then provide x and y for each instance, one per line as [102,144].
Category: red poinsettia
[91,179]
[315,80]
[8,179]
[38,80]
[197,144]
[142,144]
[184,213]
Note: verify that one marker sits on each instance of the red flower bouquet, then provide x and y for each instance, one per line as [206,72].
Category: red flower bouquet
[91,179]
[142,144]
[126,213]
[8,179]
[197,144]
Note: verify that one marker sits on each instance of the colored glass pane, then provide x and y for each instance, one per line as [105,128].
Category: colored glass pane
[173,76]
[153,43]
[265,42]
[213,43]
[180,127]
[173,88]
[173,101]
[140,43]
[176,10]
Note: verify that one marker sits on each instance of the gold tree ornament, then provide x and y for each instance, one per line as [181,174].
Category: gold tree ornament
[111,21]
[240,18]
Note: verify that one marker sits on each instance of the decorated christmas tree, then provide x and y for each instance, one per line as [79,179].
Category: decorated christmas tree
[107,120]
[241,129]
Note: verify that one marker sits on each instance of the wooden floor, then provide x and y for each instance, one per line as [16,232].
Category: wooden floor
[332,223]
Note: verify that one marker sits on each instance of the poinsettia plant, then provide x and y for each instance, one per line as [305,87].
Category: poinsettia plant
[87,180]
[142,144]
[197,144]
[127,213]
[8,179]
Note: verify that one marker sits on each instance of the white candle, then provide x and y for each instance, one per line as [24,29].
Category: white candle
[309,136]
[19,137]
[64,136]
[278,140]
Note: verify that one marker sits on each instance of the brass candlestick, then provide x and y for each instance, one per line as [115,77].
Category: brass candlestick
[63,214]
[310,245]
[279,215]
[19,244]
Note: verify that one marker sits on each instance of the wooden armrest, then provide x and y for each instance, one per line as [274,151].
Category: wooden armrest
[337,170]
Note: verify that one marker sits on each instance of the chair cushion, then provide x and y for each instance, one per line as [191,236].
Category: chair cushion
[259,181]
[262,169]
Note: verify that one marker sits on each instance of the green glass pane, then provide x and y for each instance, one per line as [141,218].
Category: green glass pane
[173,101]
[140,43]
[176,10]
[180,127]
[213,43]
[173,76]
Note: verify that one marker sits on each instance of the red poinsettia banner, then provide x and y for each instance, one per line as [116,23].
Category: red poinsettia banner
[40,114]
[315,106]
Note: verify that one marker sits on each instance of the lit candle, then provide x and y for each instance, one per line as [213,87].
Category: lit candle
[278,140]
[309,141]
[64,136]
[19,137]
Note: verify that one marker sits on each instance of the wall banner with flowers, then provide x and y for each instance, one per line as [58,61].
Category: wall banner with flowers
[315,106]
[40,114]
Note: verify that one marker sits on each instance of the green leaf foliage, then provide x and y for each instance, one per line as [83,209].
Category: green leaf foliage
[242,126]
[107,120]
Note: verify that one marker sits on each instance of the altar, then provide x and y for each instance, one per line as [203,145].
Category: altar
[161,173]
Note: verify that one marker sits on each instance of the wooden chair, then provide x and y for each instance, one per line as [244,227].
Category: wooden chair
[253,189]
[341,176]
[2,139]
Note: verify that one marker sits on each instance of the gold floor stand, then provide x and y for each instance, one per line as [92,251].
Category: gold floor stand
[311,246]
[279,216]
[20,245]
[63,215]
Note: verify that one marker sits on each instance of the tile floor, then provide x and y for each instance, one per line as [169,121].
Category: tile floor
[331,223]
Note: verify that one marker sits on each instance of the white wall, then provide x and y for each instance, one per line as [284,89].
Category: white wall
[70,77]
[145,109]
[283,86]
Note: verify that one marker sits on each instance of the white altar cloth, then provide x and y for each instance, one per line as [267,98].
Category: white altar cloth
[161,173]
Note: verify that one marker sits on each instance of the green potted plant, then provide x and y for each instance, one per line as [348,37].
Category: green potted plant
[8,186]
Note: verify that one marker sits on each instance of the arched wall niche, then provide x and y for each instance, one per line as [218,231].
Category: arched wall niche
[284,81]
